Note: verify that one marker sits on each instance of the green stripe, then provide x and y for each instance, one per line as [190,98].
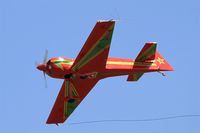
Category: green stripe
[137,75]
[101,45]
[75,92]
[94,52]
[65,109]
[63,62]
[149,52]
[67,88]
[59,63]
[71,107]
[97,48]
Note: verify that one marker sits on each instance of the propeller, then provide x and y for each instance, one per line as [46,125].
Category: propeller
[45,79]
[45,57]
[43,66]
[45,62]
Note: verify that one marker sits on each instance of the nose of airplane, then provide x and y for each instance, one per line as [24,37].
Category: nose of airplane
[41,67]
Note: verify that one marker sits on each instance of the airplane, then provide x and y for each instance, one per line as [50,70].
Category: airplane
[92,64]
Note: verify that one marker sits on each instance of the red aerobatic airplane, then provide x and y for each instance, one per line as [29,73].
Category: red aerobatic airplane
[93,64]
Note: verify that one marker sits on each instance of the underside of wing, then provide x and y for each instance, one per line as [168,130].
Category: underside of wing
[71,94]
[95,51]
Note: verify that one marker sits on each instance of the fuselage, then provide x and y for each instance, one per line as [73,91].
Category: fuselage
[60,66]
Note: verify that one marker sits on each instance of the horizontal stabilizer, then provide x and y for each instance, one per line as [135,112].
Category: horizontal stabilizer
[134,76]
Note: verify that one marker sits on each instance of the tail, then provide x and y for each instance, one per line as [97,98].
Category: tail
[162,64]
[149,60]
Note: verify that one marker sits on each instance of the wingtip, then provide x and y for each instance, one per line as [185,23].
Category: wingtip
[109,20]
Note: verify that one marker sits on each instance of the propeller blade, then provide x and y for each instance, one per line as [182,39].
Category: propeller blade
[42,67]
[45,79]
[45,57]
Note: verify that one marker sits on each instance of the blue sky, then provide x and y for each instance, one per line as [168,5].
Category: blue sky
[27,28]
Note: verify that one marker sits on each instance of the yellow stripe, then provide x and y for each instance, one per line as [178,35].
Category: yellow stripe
[93,57]
[67,63]
[130,63]
[119,63]
[74,90]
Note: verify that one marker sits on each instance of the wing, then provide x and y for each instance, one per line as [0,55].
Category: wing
[71,94]
[95,51]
